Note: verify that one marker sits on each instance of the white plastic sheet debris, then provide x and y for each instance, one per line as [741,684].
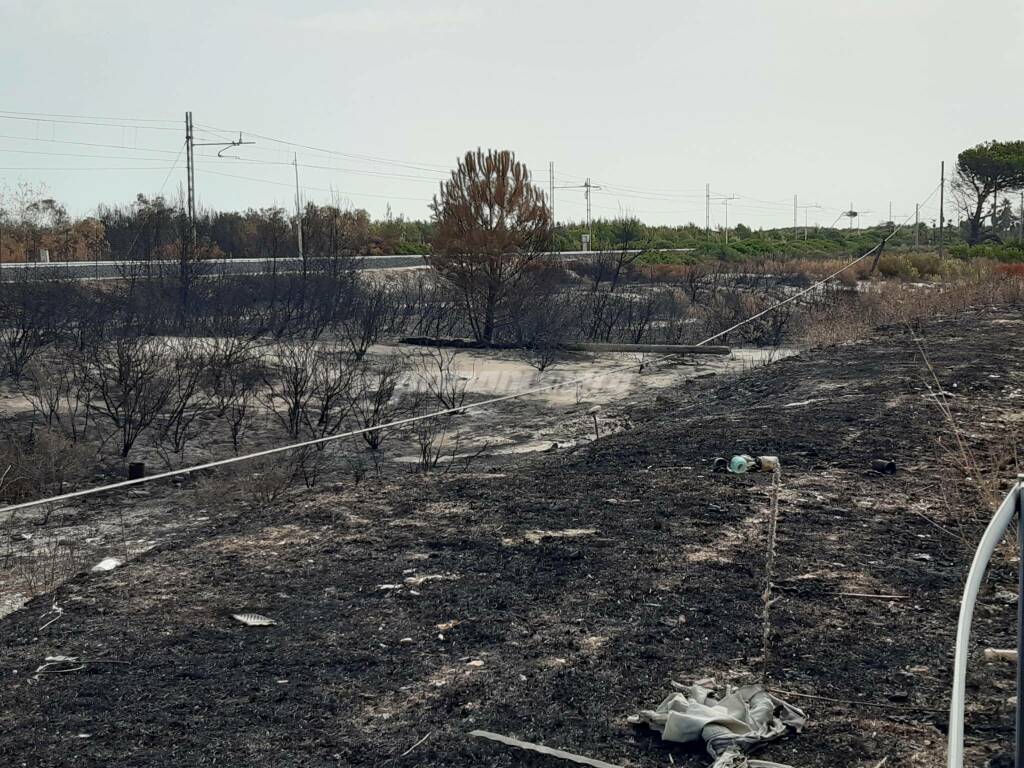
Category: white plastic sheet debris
[731,727]
[253,619]
[107,564]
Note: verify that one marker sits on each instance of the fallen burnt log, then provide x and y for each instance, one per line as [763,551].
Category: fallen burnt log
[666,349]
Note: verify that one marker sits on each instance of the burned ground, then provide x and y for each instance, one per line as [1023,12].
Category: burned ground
[551,597]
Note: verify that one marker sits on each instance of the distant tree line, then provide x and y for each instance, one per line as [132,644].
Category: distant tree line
[983,193]
[152,228]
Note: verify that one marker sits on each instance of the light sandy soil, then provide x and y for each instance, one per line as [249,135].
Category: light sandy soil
[48,545]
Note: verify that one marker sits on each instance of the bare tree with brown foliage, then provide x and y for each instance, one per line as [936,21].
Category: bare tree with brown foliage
[493,224]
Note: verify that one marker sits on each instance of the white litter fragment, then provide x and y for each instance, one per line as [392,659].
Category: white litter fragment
[560,754]
[537,536]
[58,664]
[253,619]
[1001,654]
[107,564]
[474,663]
[417,581]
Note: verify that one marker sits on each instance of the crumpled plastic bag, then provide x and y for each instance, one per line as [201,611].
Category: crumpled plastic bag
[731,727]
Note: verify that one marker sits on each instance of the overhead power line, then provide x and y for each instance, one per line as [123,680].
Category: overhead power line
[89,123]
[82,168]
[434,172]
[42,115]
[335,169]
[80,154]
[87,144]
[253,161]
[322,150]
[315,189]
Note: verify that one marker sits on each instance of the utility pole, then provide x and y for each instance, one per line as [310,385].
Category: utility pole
[942,205]
[1020,221]
[917,229]
[551,185]
[190,145]
[725,202]
[890,212]
[190,160]
[794,218]
[586,187]
[807,207]
[298,211]
[590,227]
[707,211]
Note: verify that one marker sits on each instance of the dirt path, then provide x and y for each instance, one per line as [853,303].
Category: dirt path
[552,598]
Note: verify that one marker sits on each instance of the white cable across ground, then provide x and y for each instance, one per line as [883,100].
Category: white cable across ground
[432,414]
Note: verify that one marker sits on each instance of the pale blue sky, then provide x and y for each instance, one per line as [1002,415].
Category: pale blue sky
[833,101]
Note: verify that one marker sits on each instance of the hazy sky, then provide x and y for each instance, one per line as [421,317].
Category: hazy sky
[832,101]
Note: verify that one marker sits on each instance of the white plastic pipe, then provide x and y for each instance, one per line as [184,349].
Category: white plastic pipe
[989,541]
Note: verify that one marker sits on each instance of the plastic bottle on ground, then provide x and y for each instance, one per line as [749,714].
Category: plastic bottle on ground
[741,463]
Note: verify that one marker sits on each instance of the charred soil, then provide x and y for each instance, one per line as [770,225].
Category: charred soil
[552,597]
